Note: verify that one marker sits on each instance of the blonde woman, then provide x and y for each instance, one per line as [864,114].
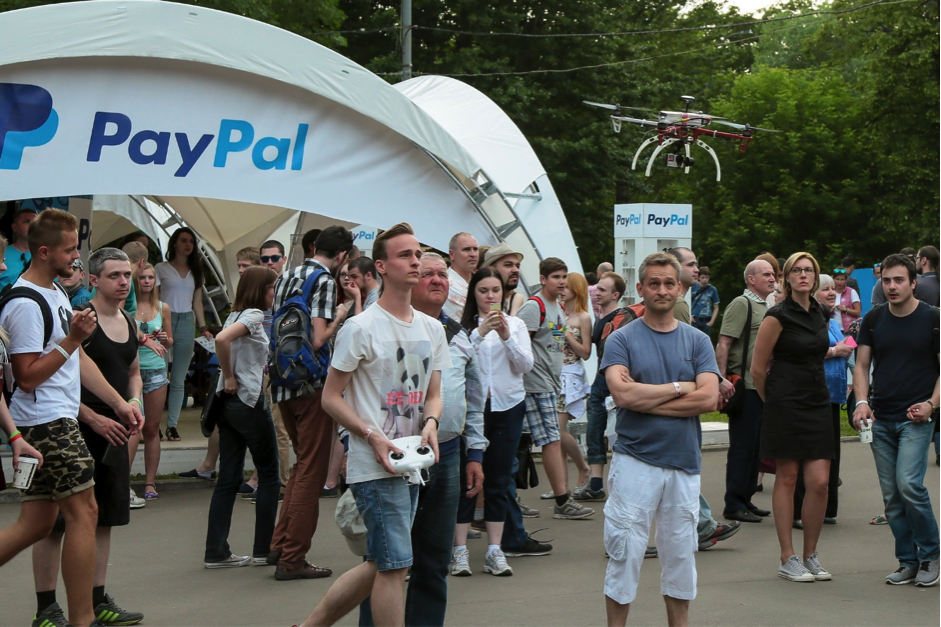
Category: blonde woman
[153,320]
[797,425]
[575,389]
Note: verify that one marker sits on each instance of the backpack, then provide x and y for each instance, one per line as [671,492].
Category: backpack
[9,293]
[293,361]
[542,309]
[621,318]
[451,328]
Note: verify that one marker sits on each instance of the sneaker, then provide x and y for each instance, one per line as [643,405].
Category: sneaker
[927,574]
[547,496]
[794,570]
[496,565]
[819,572]
[136,501]
[526,510]
[902,575]
[233,561]
[587,494]
[722,532]
[649,553]
[473,534]
[261,560]
[52,616]
[532,548]
[246,491]
[460,563]
[108,613]
[572,511]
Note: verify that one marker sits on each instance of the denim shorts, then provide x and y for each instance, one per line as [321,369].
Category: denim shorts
[388,508]
[153,379]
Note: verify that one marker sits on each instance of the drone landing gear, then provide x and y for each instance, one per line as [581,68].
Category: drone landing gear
[668,142]
[659,149]
[715,157]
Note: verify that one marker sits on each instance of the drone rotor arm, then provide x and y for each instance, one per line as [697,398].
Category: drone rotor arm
[646,142]
[715,157]
[666,142]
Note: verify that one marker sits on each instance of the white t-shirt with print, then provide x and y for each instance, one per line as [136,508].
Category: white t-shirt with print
[59,395]
[391,362]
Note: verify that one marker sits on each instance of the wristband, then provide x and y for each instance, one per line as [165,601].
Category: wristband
[63,352]
[430,418]
[16,435]
[858,403]
[930,404]
[367,433]
[679,390]
[135,400]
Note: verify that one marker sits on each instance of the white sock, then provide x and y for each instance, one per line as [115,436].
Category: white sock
[460,549]
[491,548]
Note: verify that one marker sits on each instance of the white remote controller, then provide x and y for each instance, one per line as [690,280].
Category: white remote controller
[413,458]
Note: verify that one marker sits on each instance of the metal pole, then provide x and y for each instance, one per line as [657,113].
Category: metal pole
[406,39]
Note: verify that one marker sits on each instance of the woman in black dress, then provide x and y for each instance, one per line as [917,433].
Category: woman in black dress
[796,427]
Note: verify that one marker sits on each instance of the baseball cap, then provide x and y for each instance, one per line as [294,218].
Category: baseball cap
[500,250]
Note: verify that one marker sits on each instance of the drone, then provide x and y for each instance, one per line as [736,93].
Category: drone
[683,128]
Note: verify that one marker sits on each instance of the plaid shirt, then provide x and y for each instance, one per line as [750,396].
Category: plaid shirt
[323,304]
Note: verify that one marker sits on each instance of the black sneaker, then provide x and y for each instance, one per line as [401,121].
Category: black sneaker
[52,616]
[651,553]
[108,613]
[589,495]
[532,548]
[722,532]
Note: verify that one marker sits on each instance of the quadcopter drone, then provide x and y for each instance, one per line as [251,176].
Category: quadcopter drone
[682,128]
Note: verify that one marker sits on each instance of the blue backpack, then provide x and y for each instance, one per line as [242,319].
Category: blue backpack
[294,362]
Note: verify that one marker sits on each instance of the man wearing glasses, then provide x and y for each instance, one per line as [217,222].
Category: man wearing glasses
[927,264]
[272,255]
[17,254]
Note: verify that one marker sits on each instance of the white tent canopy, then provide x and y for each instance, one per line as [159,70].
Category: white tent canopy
[238,125]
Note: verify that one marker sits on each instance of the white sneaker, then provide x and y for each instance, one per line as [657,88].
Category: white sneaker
[233,561]
[136,501]
[794,570]
[819,572]
[460,563]
[495,564]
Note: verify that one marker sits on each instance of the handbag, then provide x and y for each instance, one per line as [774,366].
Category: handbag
[526,475]
[733,408]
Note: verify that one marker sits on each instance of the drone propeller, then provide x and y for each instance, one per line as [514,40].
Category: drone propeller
[617,107]
[745,127]
[636,121]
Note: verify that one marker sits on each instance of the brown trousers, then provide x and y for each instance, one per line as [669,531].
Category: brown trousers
[312,432]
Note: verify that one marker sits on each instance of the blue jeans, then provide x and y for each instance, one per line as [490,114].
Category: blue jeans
[242,427]
[707,523]
[432,537]
[388,509]
[514,533]
[901,453]
[183,326]
[597,421]
[702,326]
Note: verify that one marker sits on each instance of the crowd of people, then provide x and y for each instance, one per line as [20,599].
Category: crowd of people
[339,357]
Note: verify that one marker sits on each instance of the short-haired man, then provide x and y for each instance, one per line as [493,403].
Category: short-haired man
[310,427]
[926,262]
[464,254]
[741,470]
[113,348]
[507,262]
[45,407]
[545,321]
[388,361]
[17,254]
[603,268]
[878,296]
[689,275]
[849,265]
[309,243]
[271,254]
[704,302]
[463,401]
[75,285]
[901,339]
[662,375]
[610,290]
[137,256]
[246,258]
[362,272]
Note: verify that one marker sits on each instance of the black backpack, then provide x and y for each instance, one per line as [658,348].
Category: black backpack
[10,293]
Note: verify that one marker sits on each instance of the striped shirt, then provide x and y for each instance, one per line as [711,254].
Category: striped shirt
[323,304]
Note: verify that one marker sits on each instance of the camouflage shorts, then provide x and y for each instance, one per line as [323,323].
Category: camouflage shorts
[67,466]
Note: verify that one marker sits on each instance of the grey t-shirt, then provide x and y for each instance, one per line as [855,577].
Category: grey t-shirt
[655,357]
[547,343]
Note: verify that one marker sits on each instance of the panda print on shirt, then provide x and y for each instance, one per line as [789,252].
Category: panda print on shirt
[403,389]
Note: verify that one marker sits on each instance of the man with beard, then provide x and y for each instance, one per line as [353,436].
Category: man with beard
[506,261]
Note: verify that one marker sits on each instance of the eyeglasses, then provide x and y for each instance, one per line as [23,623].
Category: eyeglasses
[877,265]
[839,271]
[271,258]
[809,271]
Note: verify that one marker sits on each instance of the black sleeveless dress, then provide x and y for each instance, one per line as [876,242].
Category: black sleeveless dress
[797,422]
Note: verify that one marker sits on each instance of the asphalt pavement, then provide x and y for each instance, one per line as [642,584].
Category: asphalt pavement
[156,568]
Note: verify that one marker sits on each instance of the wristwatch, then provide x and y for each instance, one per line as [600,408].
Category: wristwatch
[425,422]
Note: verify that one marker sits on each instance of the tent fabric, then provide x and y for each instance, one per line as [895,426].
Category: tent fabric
[149,28]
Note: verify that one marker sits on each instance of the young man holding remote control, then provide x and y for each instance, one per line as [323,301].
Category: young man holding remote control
[901,339]
[388,360]
[45,405]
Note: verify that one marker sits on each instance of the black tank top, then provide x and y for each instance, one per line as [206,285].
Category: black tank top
[113,359]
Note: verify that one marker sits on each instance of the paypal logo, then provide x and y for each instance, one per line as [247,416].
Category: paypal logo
[26,119]
[156,147]
[666,221]
[627,220]
[362,235]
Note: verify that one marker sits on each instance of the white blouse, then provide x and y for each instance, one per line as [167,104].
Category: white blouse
[175,291]
[503,364]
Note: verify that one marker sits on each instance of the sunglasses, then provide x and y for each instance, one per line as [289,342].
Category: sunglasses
[877,265]
[271,258]
[839,271]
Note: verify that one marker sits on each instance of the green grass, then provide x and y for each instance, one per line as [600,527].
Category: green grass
[845,429]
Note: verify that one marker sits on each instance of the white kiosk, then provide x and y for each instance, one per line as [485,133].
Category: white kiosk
[644,228]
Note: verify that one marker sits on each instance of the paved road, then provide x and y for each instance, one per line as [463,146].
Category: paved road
[157,569]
